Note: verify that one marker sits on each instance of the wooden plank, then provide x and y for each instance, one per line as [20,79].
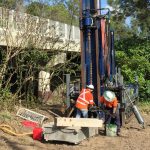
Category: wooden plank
[78,122]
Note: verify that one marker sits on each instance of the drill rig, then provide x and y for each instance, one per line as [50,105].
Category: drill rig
[98,60]
[99,69]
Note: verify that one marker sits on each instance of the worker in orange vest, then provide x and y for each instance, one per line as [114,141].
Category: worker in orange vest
[84,100]
[109,103]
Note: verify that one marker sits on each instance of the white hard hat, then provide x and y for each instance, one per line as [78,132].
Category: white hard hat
[90,86]
[109,96]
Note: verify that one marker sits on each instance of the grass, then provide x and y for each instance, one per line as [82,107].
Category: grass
[5,116]
[144,106]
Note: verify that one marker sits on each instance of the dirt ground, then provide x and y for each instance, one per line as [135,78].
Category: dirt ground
[133,137]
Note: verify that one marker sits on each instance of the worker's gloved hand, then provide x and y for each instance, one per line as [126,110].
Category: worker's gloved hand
[92,108]
[114,115]
[94,104]
[102,106]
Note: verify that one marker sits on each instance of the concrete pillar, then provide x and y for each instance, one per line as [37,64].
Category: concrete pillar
[66,32]
[57,28]
[44,92]
[73,33]
[11,20]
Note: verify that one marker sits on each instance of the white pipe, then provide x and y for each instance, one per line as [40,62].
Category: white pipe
[98,6]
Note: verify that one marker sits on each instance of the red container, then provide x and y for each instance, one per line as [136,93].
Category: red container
[37,134]
[29,124]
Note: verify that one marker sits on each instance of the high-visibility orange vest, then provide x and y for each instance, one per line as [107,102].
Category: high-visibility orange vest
[85,98]
[111,104]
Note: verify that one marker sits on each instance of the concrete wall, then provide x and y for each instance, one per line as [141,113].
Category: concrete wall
[19,30]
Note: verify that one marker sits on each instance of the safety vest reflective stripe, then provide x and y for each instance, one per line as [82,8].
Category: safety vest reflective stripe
[81,102]
[84,100]
[84,93]
[91,101]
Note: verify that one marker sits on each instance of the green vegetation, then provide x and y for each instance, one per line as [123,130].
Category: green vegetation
[133,57]
[20,80]
[136,11]
[10,4]
[145,107]
[133,41]
[65,11]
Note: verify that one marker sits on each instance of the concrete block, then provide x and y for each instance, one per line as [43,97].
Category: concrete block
[68,134]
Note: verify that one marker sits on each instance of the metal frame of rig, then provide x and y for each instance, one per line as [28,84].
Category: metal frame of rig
[99,69]
[98,61]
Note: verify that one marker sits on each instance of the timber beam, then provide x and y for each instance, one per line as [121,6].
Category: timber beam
[78,122]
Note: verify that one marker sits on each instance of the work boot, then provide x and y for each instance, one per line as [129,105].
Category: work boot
[118,133]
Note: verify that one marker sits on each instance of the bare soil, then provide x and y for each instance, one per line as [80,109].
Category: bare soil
[133,137]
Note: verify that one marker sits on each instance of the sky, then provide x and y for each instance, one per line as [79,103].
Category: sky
[104,3]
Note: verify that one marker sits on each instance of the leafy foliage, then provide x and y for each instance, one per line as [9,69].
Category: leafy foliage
[132,41]
[63,11]
[133,57]
[10,4]
[137,10]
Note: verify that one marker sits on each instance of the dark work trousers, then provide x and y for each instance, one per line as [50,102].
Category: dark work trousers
[110,120]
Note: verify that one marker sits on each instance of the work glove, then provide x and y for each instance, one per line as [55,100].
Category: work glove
[102,107]
[114,115]
[90,106]
[93,108]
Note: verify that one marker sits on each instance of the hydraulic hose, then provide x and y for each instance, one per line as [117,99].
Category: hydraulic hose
[8,129]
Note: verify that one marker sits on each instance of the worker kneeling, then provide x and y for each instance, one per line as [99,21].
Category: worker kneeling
[84,100]
[109,103]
